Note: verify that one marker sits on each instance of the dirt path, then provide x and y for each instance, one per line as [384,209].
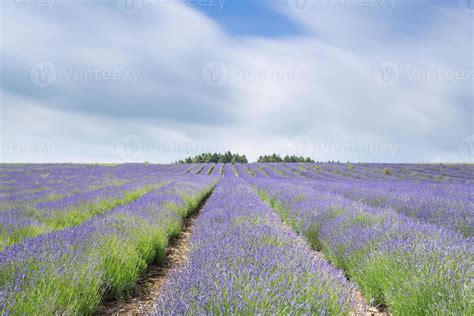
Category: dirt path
[363,307]
[143,297]
[142,300]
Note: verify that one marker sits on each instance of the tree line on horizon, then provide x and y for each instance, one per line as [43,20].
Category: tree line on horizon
[229,157]
[287,158]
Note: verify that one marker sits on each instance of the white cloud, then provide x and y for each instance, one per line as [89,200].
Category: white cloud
[319,84]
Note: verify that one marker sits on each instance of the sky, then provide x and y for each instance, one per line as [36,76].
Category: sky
[159,80]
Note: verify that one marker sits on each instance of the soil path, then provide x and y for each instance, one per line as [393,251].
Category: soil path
[143,297]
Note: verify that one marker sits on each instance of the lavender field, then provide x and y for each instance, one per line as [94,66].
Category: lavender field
[265,238]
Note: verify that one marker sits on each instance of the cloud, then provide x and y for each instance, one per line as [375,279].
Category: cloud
[178,81]
[153,67]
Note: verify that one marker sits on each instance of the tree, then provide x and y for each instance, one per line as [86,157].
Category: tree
[287,158]
[227,157]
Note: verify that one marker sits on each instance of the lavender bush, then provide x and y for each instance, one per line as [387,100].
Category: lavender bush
[69,271]
[244,261]
[411,266]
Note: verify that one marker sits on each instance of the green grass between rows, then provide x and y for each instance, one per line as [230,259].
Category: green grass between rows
[417,283]
[54,220]
[112,267]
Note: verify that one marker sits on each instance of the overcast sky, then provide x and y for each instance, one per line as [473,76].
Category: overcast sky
[159,80]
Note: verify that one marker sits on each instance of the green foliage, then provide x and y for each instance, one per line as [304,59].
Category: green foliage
[227,157]
[8,238]
[410,282]
[111,269]
[61,219]
[66,293]
[312,235]
[388,171]
[277,158]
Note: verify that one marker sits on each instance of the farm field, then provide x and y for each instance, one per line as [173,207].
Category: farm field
[266,238]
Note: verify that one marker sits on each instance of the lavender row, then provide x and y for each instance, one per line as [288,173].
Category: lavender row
[413,267]
[69,271]
[207,170]
[218,170]
[243,172]
[229,170]
[35,183]
[256,170]
[242,260]
[447,205]
[444,173]
[44,182]
[462,174]
[28,221]
[49,184]
[30,184]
